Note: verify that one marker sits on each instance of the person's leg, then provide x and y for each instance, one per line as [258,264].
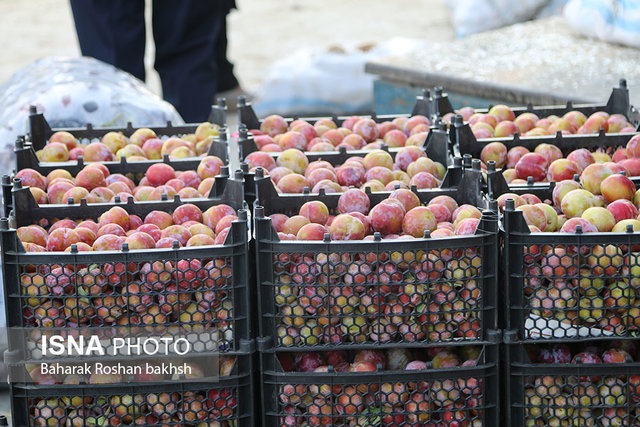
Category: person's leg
[185,34]
[226,79]
[112,31]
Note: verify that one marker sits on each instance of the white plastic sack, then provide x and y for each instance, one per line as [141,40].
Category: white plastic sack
[551,8]
[476,16]
[327,80]
[72,92]
[616,21]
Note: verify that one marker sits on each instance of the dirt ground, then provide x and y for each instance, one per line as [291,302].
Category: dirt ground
[260,31]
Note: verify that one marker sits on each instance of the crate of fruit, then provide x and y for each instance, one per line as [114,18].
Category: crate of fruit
[292,172]
[618,104]
[156,264]
[448,386]
[40,133]
[224,399]
[423,106]
[433,140]
[331,137]
[517,145]
[274,143]
[497,185]
[333,269]
[296,171]
[501,136]
[34,196]
[551,155]
[571,260]
[533,163]
[132,161]
[275,125]
[586,384]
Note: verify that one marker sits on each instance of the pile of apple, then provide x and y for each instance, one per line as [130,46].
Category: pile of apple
[143,144]
[547,163]
[586,400]
[186,226]
[356,133]
[451,402]
[501,121]
[194,408]
[292,172]
[384,296]
[96,184]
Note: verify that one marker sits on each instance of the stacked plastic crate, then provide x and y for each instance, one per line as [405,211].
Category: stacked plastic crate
[378,330]
[570,313]
[114,264]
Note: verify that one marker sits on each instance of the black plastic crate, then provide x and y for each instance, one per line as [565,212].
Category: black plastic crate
[435,145]
[192,289]
[40,131]
[26,158]
[495,184]
[466,143]
[463,181]
[436,148]
[195,289]
[460,175]
[557,394]
[384,277]
[26,209]
[618,103]
[19,201]
[248,117]
[454,396]
[576,286]
[223,401]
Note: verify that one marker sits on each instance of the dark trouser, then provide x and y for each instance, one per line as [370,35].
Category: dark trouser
[188,34]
